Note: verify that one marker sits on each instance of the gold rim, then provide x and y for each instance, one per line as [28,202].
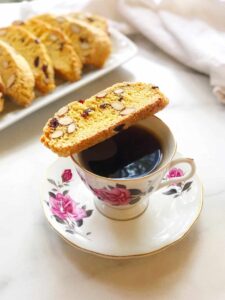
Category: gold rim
[134,255]
[133,179]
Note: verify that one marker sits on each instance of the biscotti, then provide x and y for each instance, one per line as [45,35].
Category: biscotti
[65,61]
[30,47]
[16,75]
[91,44]
[82,124]
[94,20]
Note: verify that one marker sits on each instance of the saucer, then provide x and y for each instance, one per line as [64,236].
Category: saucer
[69,208]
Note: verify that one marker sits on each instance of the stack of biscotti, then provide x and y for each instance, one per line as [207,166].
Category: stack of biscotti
[84,123]
[36,51]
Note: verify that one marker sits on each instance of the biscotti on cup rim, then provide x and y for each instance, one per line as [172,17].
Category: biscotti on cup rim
[85,123]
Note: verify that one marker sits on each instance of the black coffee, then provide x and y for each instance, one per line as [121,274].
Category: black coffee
[131,153]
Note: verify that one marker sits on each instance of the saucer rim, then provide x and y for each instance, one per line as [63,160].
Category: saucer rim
[123,257]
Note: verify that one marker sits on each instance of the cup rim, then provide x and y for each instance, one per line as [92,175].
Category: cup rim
[137,178]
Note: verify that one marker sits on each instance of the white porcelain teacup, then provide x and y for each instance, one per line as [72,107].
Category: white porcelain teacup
[124,199]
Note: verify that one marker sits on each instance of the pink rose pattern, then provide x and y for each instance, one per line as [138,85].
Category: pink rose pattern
[115,196]
[177,189]
[175,172]
[63,208]
[66,175]
[118,195]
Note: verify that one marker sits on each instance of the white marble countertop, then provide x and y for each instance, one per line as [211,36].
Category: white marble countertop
[35,263]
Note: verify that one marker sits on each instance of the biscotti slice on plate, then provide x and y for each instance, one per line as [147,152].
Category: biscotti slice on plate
[91,44]
[82,124]
[94,20]
[30,47]
[65,60]
[16,75]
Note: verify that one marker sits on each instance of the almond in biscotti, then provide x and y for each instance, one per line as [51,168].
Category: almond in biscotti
[11,80]
[71,128]
[62,111]
[117,105]
[85,45]
[75,28]
[127,111]
[65,121]
[5,64]
[53,37]
[56,134]
[101,95]
[118,91]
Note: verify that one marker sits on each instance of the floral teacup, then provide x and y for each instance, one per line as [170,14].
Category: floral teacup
[124,199]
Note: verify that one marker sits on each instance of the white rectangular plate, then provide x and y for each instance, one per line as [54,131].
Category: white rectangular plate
[122,50]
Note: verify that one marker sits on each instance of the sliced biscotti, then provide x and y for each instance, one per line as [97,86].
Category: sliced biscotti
[94,20]
[65,60]
[82,124]
[30,47]
[91,44]
[16,75]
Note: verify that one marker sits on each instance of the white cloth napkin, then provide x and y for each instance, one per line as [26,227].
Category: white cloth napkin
[192,31]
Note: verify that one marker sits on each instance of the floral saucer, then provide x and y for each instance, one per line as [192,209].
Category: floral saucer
[69,208]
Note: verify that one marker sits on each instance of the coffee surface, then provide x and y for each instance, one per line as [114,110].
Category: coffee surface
[132,153]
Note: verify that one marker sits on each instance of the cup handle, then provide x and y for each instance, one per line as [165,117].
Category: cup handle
[190,173]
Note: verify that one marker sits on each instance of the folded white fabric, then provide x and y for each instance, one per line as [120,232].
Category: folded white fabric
[190,31]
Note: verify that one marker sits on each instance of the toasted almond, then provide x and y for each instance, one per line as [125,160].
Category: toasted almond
[62,111]
[71,128]
[81,17]
[118,91]
[60,19]
[75,28]
[10,81]
[17,22]
[84,45]
[53,37]
[127,111]
[5,64]
[117,105]
[101,95]
[56,134]
[2,32]
[65,121]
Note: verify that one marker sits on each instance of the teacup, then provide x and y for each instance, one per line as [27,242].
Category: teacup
[125,199]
